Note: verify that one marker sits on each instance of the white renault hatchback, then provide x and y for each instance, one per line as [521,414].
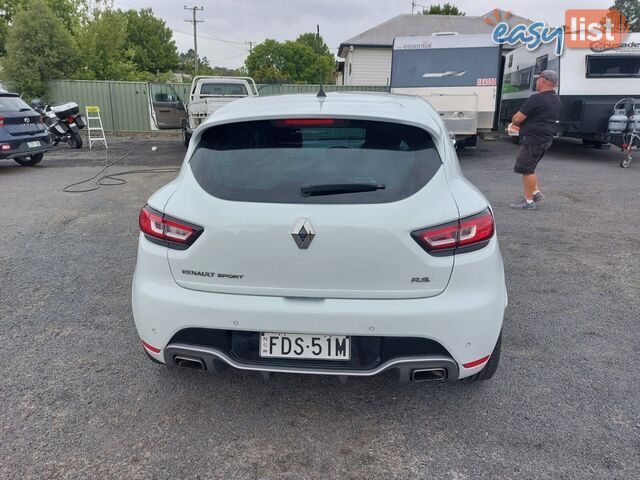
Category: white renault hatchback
[324,235]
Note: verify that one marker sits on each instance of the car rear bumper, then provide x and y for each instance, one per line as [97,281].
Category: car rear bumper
[19,147]
[409,368]
[466,319]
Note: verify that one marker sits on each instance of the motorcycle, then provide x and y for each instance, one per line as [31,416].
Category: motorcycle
[63,121]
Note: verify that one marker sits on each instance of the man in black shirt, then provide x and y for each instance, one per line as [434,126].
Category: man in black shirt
[537,121]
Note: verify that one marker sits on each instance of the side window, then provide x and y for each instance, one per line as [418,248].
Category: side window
[163,93]
[541,63]
[541,66]
[223,89]
[510,60]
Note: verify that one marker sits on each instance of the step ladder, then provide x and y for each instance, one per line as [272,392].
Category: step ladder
[94,124]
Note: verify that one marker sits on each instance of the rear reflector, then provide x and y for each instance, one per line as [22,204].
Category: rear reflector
[1,121]
[150,347]
[465,235]
[166,230]
[475,363]
[307,122]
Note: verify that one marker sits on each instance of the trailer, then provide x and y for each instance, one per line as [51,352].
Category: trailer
[591,81]
[459,75]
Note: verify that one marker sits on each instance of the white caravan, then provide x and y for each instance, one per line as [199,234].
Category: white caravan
[592,80]
[459,75]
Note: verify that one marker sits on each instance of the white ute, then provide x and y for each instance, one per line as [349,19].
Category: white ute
[324,235]
[209,93]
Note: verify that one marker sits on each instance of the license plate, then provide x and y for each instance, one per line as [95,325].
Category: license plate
[33,144]
[298,345]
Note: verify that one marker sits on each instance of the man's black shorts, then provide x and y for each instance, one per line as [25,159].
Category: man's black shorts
[529,156]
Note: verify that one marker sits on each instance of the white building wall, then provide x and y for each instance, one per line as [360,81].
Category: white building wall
[368,66]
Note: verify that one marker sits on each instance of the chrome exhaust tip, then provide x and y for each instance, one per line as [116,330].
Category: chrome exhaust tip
[189,362]
[428,375]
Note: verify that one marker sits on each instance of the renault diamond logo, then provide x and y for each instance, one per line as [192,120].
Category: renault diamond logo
[27,120]
[303,233]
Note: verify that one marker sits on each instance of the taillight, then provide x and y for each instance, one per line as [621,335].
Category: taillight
[70,119]
[167,231]
[465,235]
[1,121]
[5,146]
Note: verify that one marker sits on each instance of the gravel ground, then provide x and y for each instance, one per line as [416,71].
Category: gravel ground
[80,399]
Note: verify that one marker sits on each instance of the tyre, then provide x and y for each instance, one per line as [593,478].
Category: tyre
[492,365]
[587,142]
[626,162]
[30,160]
[75,140]
[186,137]
[597,145]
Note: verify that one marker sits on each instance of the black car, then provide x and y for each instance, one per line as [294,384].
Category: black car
[23,136]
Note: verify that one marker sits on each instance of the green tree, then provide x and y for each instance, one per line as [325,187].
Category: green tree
[446,9]
[4,31]
[631,10]
[72,12]
[291,61]
[314,41]
[39,47]
[187,61]
[106,52]
[151,41]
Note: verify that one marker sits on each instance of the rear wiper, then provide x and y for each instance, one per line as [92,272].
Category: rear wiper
[338,188]
[24,109]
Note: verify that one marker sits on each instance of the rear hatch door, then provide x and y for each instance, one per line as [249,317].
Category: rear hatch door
[263,236]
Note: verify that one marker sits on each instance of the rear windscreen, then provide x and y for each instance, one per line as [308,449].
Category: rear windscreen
[12,104]
[613,66]
[223,89]
[271,161]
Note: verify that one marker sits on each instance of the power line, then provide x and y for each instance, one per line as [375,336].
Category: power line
[195,22]
[201,35]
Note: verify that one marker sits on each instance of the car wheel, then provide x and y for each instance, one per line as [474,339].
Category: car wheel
[492,365]
[75,140]
[30,160]
[186,138]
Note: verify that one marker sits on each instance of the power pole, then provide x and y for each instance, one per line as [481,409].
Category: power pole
[195,34]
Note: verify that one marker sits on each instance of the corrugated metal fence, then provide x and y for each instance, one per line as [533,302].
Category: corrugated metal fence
[125,106]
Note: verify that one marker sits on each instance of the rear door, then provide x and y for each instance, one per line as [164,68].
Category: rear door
[168,109]
[253,187]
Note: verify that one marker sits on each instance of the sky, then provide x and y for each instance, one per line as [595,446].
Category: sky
[228,25]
